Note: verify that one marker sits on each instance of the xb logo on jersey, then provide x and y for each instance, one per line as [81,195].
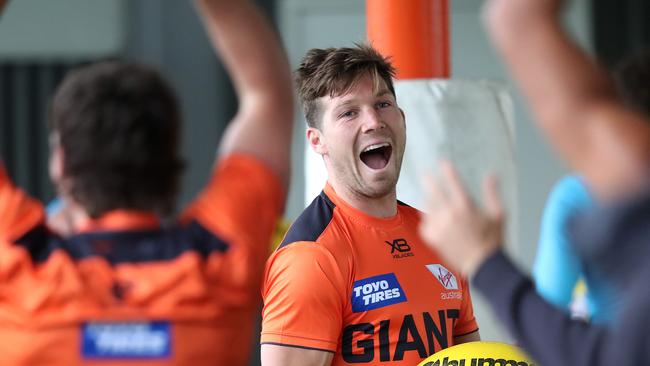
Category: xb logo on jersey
[400,246]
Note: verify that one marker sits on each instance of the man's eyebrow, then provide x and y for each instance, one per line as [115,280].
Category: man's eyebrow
[344,104]
[382,92]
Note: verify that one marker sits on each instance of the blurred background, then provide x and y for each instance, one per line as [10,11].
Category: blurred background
[40,40]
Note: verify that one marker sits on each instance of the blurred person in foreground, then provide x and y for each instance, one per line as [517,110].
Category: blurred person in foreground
[576,105]
[560,275]
[122,287]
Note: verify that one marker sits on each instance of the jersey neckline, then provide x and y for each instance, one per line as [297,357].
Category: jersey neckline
[360,216]
[121,220]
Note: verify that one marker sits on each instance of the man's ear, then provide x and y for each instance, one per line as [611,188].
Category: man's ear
[316,140]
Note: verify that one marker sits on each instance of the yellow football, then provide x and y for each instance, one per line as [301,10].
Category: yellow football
[479,354]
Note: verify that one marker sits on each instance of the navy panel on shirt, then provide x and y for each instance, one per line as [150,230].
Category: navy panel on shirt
[312,222]
[400,203]
[125,246]
[614,237]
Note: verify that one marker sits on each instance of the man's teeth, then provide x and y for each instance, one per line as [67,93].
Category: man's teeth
[376,146]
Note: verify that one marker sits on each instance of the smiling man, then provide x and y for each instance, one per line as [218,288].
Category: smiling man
[352,282]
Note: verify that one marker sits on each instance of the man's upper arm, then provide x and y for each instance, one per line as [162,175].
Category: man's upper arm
[251,51]
[275,355]
[304,297]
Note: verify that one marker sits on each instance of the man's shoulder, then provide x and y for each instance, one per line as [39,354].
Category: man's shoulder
[304,245]
[312,222]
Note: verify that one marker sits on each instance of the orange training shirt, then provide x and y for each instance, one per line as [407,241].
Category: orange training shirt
[126,291]
[364,288]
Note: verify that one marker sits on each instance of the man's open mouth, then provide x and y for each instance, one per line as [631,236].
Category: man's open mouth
[376,156]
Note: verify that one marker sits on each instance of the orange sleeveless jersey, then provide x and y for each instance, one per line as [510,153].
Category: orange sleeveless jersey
[125,291]
[365,288]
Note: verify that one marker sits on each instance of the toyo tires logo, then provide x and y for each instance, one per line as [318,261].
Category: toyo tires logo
[376,292]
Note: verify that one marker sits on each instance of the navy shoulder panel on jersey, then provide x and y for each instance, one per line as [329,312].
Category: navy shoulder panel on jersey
[125,246]
[406,208]
[39,242]
[400,203]
[312,222]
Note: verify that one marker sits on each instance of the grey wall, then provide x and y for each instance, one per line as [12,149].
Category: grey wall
[64,29]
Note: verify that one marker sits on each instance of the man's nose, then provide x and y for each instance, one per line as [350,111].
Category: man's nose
[372,120]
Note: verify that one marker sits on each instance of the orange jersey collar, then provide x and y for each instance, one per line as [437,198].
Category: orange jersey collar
[358,215]
[118,220]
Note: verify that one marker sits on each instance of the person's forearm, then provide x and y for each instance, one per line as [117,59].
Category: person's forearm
[549,67]
[545,332]
[556,77]
[258,67]
[249,49]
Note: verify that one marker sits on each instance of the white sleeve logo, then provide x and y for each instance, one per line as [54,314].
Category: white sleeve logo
[446,278]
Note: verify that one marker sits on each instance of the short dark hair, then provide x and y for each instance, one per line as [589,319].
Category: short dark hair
[632,77]
[333,71]
[119,127]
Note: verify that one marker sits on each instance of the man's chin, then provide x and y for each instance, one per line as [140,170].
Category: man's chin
[379,188]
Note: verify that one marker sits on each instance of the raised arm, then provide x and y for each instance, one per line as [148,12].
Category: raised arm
[257,64]
[572,99]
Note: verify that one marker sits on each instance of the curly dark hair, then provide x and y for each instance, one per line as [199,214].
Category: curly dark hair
[119,127]
[334,71]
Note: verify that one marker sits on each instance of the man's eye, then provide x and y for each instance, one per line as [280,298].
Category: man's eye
[383,104]
[348,114]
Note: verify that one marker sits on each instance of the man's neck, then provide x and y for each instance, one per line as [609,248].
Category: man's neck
[68,218]
[384,206]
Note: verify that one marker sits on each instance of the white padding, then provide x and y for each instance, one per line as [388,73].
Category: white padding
[469,122]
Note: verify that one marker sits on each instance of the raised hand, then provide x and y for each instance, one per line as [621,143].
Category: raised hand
[463,233]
